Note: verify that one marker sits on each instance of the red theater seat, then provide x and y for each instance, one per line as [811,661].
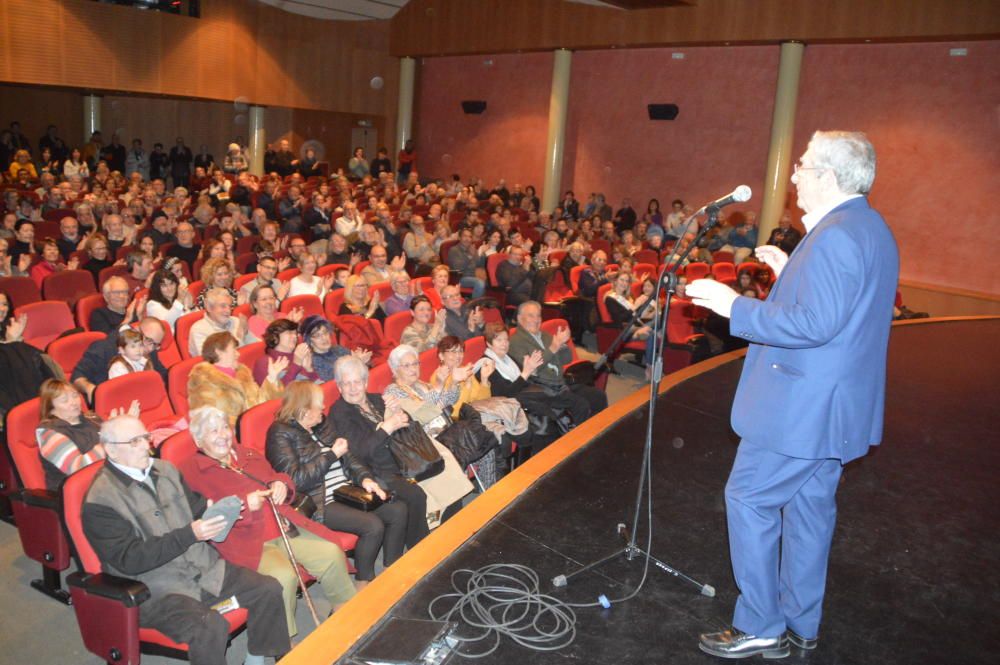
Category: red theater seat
[147,387]
[68,286]
[67,351]
[20,290]
[107,606]
[47,319]
[85,306]
[395,324]
[253,424]
[36,509]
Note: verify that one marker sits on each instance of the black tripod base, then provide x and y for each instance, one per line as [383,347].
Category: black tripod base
[631,551]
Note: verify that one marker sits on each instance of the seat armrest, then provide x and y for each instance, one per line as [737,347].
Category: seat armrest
[41,499]
[128,592]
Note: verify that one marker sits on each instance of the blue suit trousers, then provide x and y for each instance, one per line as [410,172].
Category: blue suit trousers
[781,513]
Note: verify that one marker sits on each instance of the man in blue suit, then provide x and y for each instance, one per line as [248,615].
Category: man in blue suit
[810,398]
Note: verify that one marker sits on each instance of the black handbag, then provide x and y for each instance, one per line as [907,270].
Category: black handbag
[356,497]
[468,439]
[304,505]
[580,373]
[414,453]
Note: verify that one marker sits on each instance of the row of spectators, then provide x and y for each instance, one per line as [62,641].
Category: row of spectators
[447,254]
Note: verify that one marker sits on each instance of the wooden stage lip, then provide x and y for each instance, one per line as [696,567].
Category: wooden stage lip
[331,640]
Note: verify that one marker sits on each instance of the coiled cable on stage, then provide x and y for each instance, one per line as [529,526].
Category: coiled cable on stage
[505,599]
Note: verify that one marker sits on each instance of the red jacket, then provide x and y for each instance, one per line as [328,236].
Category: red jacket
[245,542]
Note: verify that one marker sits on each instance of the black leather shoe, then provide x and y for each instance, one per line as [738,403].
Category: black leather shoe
[734,643]
[802,642]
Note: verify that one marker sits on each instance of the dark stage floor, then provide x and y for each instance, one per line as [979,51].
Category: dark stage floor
[914,574]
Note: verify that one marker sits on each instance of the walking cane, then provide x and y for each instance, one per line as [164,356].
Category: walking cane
[284,539]
[294,561]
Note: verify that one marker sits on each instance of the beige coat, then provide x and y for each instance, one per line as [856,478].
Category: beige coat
[208,386]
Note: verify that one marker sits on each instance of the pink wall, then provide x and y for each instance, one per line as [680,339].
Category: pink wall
[507,140]
[923,110]
[935,123]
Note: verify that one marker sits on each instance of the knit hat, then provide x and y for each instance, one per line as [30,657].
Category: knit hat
[311,324]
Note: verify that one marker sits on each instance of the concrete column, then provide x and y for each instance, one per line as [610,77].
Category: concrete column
[404,112]
[257,138]
[91,116]
[779,154]
[558,106]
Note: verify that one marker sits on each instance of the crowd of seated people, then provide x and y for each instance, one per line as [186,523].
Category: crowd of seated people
[383,268]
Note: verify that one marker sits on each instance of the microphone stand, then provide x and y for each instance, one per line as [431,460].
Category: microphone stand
[667,282]
[637,313]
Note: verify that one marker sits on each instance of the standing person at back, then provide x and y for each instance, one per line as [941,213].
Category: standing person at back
[406,162]
[810,399]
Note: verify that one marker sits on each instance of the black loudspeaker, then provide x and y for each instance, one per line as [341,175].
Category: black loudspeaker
[662,111]
[475,106]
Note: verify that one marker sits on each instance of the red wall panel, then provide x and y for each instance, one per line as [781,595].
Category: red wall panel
[934,120]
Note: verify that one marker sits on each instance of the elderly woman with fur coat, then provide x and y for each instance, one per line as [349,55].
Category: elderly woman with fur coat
[221,381]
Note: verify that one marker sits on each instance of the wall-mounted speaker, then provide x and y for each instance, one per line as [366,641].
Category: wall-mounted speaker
[475,106]
[662,111]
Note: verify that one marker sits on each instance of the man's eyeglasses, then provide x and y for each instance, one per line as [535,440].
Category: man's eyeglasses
[151,343]
[143,438]
[796,168]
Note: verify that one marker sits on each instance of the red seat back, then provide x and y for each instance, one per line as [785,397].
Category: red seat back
[243,279]
[245,245]
[21,290]
[647,256]
[47,319]
[474,349]
[67,351]
[288,274]
[331,304]
[331,393]
[22,421]
[445,248]
[147,387]
[178,447]
[552,325]
[395,324]
[182,336]
[109,272]
[250,353]
[493,262]
[195,288]
[254,422]
[309,303]
[602,307]
[429,362]
[379,377]
[85,306]
[722,256]
[724,272]
[696,270]
[556,256]
[330,268]
[177,384]
[574,277]
[74,491]
[359,266]
[68,286]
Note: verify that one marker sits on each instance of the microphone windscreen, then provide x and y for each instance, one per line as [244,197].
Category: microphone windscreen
[742,193]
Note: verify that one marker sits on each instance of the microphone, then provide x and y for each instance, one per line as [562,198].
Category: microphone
[738,195]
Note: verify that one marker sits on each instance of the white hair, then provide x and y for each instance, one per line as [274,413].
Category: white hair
[206,419]
[849,155]
[396,355]
[348,364]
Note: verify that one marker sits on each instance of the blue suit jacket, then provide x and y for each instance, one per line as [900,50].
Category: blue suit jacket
[813,383]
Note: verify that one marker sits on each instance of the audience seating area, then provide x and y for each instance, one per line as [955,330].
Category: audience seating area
[138,218]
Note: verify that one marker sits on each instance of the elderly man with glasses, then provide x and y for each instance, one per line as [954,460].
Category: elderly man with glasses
[818,347]
[145,523]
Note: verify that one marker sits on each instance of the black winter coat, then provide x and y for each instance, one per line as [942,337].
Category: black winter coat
[291,450]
